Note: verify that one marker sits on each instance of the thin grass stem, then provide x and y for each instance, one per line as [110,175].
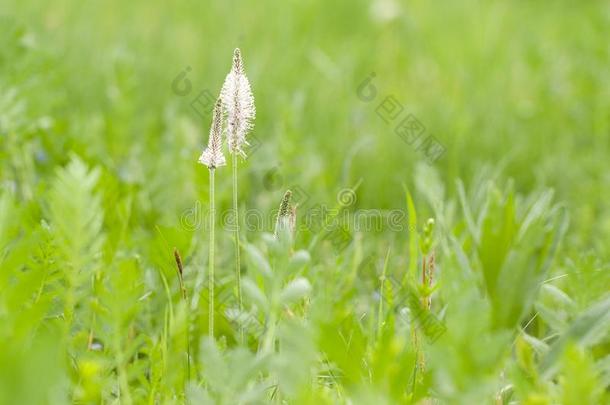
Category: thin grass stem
[237,246]
[184,295]
[211,259]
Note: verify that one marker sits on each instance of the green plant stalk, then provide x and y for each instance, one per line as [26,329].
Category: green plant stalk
[211,259]
[415,340]
[381,291]
[380,309]
[421,358]
[412,215]
[237,247]
[420,363]
[188,342]
[184,295]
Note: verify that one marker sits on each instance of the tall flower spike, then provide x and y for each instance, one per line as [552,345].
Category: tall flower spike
[238,102]
[212,156]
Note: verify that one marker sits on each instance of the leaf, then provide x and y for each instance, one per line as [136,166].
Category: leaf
[588,328]
[516,250]
[214,367]
[197,395]
[554,318]
[299,259]
[75,213]
[295,290]
[497,233]
[557,296]
[259,299]
[413,237]
[468,217]
[9,217]
[539,346]
[579,380]
[430,185]
[259,261]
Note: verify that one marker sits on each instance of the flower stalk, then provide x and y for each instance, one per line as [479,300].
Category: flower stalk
[212,157]
[211,259]
[180,269]
[237,247]
[238,103]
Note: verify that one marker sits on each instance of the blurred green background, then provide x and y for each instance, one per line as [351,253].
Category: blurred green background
[519,87]
[514,91]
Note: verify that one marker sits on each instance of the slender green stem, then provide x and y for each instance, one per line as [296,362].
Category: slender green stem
[188,342]
[381,292]
[187,326]
[211,258]
[380,309]
[237,247]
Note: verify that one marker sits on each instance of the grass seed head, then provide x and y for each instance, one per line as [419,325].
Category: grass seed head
[178,261]
[212,156]
[238,66]
[238,102]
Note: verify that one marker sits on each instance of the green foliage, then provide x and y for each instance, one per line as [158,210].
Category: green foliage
[515,245]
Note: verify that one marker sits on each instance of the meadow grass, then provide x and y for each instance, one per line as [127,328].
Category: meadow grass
[390,273]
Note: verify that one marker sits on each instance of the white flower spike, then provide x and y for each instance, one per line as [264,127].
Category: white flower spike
[212,156]
[238,103]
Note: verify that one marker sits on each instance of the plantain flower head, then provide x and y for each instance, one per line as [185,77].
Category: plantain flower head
[286,217]
[212,156]
[238,103]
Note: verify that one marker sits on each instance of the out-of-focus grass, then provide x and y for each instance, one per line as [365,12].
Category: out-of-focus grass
[516,92]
